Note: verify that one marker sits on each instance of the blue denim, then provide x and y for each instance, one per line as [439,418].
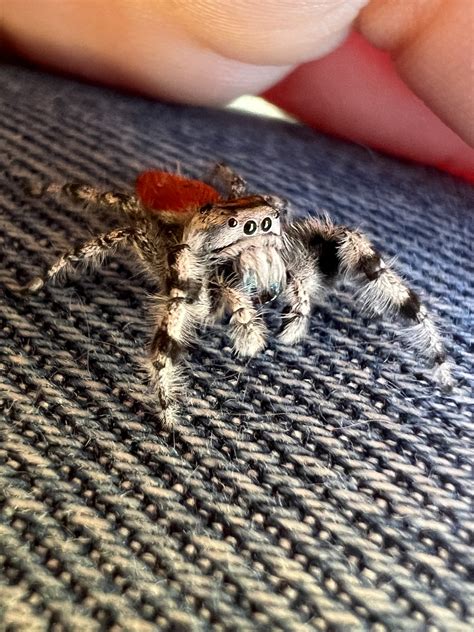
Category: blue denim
[325,486]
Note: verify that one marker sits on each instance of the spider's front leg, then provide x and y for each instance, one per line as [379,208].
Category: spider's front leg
[304,283]
[337,251]
[90,253]
[247,329]
[185,305]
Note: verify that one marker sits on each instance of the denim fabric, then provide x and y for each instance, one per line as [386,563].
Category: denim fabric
[326,486]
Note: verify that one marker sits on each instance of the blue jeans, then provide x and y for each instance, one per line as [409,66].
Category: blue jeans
[320,485]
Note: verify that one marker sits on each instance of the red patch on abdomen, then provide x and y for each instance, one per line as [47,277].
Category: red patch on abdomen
[161,191]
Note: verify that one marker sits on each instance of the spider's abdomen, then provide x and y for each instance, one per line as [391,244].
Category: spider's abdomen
[161,191]
[262,272]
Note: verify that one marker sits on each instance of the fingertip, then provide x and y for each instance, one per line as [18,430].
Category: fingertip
[356,93]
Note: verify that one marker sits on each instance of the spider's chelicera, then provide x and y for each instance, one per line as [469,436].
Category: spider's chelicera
[230,256]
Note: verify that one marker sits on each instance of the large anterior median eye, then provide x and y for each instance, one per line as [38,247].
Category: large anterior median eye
[266,224]
[250,227]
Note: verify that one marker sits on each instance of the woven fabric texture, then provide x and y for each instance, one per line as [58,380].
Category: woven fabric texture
[326,486]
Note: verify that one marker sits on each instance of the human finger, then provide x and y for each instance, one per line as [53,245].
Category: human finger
[356,93]
[199,51]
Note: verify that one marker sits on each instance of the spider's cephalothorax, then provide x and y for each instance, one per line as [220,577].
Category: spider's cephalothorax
[216,251]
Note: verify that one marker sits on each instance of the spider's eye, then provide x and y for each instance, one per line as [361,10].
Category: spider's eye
[266,224]
[232,222]
[250,227]
[206,208]
[277,214]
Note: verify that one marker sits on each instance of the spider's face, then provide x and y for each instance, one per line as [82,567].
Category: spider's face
[235,222]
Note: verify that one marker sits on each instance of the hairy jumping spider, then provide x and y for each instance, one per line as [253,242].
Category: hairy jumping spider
[229,256]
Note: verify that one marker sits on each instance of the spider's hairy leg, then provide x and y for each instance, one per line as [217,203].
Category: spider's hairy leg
[114,201]
[340,251]
[247,329]
[85,195]
[185,305]
[164,354]
[227,182]
[304,284]
[90,253]
[383,292]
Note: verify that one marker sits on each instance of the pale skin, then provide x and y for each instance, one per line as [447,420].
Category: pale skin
[402,82]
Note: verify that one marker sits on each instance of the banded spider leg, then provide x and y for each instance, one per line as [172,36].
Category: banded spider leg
[318,252]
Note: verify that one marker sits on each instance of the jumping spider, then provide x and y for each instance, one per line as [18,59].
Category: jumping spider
[216,251]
